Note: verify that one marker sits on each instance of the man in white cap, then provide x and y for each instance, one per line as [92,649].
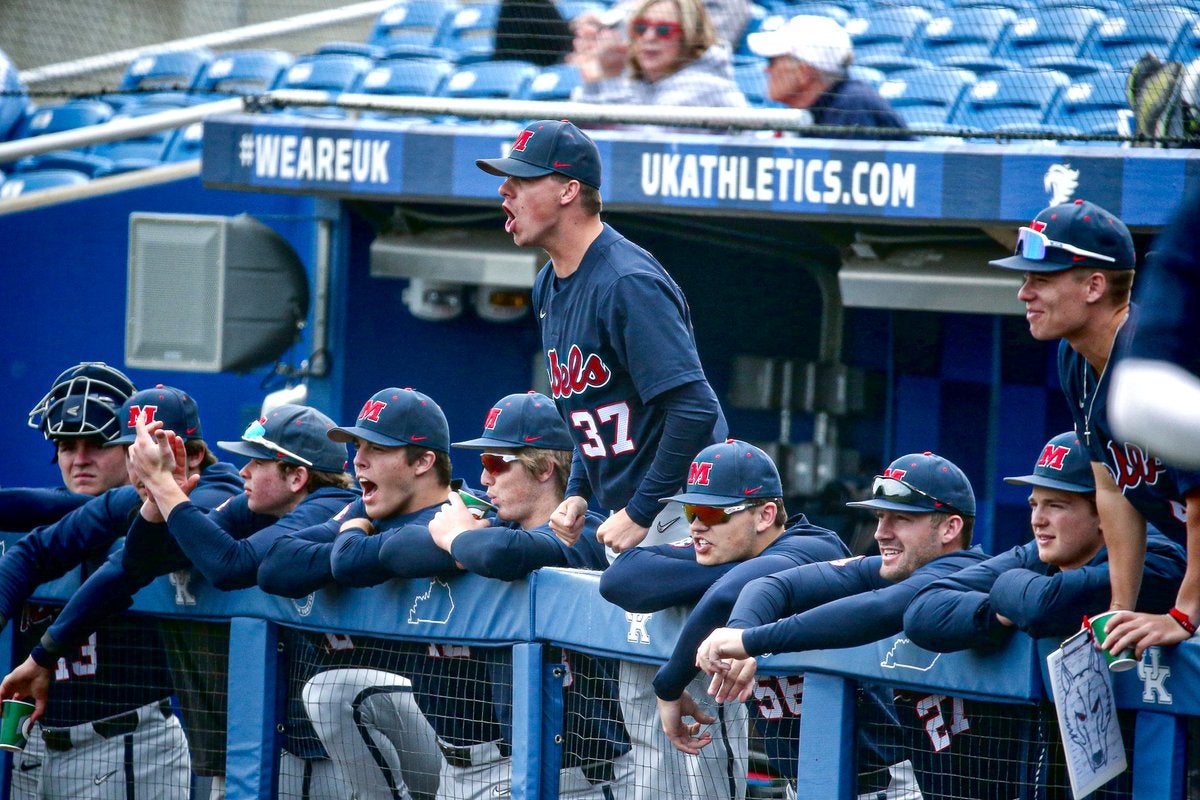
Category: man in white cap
[807,58]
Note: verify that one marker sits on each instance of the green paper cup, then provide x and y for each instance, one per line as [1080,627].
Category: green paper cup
[1116,663]
[478,507]
[14,724]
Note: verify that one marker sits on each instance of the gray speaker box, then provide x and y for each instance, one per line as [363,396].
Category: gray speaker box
[210,293]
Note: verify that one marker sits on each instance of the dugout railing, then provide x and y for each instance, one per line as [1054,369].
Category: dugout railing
[563,608]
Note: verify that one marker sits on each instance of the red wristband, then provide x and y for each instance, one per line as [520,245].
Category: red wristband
[1184,621]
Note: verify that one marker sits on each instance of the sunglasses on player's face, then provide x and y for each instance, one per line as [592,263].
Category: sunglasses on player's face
[898,491]
[1033,245]
[497,463]
[711,516]
[661,28]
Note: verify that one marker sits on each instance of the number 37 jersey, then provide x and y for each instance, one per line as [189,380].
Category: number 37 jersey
[616,334]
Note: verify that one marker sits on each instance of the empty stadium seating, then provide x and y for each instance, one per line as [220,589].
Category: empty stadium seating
[885,30]
[1119,41]
[489,79]
[961,32]
[470,31]
[552,83]
[241,72]
[415,22]
[26,182]
[64,116]
[1095,104]
[926,98]
[1012,98]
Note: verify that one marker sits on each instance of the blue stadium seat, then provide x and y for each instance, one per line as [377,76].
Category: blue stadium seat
[64,117]
[932,6]
[981,65]
[926,98]
[885,30]
[407,76]
[1094,105]
[489,79]
[13,97]
[1070,65]
[1048,33]
[961,32]
[350,49]
[891,64]
[1009,98]
[145,150]
[470,30]
[186,144]
[1120,41]
[428,52]
[170,70]
[870,75]
[570,9]
[1187,46]
[414,22]
[87,163]
[554,83]
[36,180]
[329,72]
[241,72]
[815,8]
[1107,7]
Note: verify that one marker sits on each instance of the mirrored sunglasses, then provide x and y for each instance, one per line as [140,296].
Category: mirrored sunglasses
[497,463]
[1033,245]
[256,434]
[661,28]
[897,491]
[712,515]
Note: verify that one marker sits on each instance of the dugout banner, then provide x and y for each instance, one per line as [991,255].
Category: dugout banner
[749,173]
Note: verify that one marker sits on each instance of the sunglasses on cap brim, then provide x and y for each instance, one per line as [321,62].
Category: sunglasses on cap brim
[897,491]
[1034,246]
[255,435]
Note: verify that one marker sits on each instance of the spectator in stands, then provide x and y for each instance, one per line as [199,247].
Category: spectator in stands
[739,532]
[673,59]
[533,31]
[526,482]
[1078,262]
[807,62]
[1043,587]
[102,692]
[79,416]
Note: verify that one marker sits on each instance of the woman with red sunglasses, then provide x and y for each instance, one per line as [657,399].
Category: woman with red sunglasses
[673,58]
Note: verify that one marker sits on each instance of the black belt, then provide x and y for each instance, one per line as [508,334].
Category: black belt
[599,772]
[59,739]
[460,757]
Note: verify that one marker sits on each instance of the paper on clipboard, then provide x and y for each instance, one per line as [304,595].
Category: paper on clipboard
[1087,714]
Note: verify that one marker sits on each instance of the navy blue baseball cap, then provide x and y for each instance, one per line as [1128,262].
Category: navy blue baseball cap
[293,434]
[396,417]
[923,483]
[728,473]
[174,408]
[549,146]
[1077,234]
[523,420]
[1063,465]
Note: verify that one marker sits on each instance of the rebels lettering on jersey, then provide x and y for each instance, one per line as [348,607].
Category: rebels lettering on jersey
[1052,456]
[145,412]
[371,410]
[698,473]
[1130,465]
[577,374]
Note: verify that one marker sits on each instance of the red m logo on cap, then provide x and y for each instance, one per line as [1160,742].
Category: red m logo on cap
[698,473]
[522,140]
[1052,456]
[895,474]
[145,412]
[371,410]
[489,424]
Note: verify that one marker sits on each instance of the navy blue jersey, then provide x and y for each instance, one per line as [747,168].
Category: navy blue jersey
[1168,290]
[118,664]
[806,608]
[618,336]
[674,565]
[23,509]
[1153,488]
[959,611]
[852,103]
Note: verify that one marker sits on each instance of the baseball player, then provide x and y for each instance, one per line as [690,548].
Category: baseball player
[526,459]
[1078,261]
[623,368]
[106,726]
[1045,586]
[925,510]
[734,500]
[1156,385]
[362,703]
[79,416]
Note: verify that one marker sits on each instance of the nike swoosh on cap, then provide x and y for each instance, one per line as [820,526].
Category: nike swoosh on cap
[560,165]
[418,438]
[532,438]
[189,431]
[751,490]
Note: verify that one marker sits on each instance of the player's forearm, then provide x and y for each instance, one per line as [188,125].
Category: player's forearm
[227,563]
[408,552]
[1124,535]
[578,484]
[107,591]
[945,620]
